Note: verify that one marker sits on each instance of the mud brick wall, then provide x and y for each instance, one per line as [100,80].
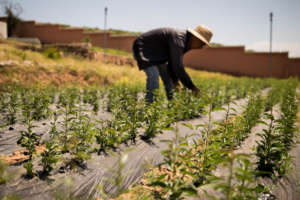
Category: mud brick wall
[232,60]
[294,67]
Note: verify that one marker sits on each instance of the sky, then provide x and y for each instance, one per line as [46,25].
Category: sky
[233,22]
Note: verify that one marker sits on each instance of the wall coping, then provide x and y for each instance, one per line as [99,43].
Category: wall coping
[114,36]
[47,25]
[3,19]
[30,22]
[125,36]
[295,59]
[71,29]
[285,54]
[96,33]
[236,48]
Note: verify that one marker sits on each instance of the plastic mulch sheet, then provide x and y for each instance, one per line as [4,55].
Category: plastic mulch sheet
[101,169]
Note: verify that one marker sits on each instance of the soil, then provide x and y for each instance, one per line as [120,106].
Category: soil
[20,155]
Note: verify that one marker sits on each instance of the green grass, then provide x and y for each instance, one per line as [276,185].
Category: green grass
[112,51]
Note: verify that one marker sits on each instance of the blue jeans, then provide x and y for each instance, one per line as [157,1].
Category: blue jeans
[152,82]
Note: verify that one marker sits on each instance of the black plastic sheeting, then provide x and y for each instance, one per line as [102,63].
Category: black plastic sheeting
[10,135]
[101,169]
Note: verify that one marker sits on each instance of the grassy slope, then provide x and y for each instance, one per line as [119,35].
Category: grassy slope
[35,68]
[113,51]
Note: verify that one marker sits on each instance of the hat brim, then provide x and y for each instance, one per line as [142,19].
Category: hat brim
[197,35]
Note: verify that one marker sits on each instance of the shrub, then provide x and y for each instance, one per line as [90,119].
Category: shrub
[52,53]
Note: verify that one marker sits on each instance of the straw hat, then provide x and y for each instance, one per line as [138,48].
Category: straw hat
[202,33]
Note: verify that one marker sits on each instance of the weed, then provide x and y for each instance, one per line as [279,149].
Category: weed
[52,53]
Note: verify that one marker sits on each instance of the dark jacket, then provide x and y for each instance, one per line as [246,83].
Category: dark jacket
[164,45]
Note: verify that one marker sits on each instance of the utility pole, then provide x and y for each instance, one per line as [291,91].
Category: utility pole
[105,31]
[271,32]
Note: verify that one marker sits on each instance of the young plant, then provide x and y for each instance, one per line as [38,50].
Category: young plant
[108,136]
[40,105]
[174,179]
[287,122]
[240,181]
[29,169]
[130,115]
[91,97]
[155,118]
[81,138]
[269,150]
[12,108]
[185,106]
[29,140]
[118,177]
[54,133]
[49,157]
[64,135]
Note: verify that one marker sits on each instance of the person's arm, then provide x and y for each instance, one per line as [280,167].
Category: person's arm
[176,64]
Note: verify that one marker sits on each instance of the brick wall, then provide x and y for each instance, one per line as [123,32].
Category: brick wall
[233,60]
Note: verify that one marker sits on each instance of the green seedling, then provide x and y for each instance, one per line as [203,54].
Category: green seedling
[175,183]
[29,140]
[108,135]
[12,108]
[49,157]
[29,169]
[81,138]
[240,181]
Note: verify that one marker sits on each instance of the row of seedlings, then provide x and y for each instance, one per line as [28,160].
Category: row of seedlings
[274,159]
[187,167]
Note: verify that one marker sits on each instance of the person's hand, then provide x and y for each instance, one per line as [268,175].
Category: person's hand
[177,86]
[196,91]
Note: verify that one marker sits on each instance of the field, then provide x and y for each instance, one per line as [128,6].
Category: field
[73,128]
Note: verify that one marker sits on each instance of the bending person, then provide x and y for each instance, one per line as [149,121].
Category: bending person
[159,52]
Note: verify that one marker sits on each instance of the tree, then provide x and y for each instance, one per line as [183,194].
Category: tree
[12,11]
